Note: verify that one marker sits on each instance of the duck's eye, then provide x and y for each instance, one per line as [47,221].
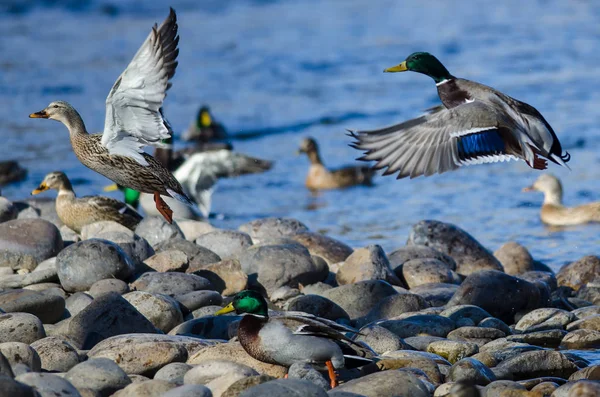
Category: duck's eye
[55,106]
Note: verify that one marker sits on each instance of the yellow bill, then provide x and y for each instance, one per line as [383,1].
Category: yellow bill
[528,189]
[398,68]
[111,188]
[205,119]
[40,188]
[227,309]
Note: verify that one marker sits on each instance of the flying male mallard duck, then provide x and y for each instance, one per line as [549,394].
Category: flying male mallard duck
[133,120]
[476,124]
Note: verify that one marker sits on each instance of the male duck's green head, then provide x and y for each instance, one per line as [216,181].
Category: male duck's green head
[423,62]
[247,301]
[132,197]
[204,118]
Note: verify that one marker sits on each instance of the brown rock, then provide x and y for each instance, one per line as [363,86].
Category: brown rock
[330,249]
[369,263]
[233,351]
[168,261]
[226,276]
[515,258]
[579,273]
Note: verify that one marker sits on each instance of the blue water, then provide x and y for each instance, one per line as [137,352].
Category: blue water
[283,70]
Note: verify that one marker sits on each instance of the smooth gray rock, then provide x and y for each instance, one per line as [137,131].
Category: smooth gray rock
[549,338]
[285,387]
[319,306]
[547,278]
[47,307]
[453,350]
[493,322]
[198,299]
[422,271]
[10,260]
[496,388]
[35,237]
[12,388]
[471,371]
[77,302]
[543,319]
[421,342]
[330,249]
[592,373]
[261,230]
[404,254]
[145,354]
[21,353]
[436,294]
[225,243]
[20,327]
[590,293]
[171,283]
[386,383]
[459,312]
[56,354]
[23,280]
[209,370]
[156,230]
[470,256]
[478,335]
[173,372]
[101,375]
[189,391]
[534,364]
[198,257]
[307,372]
[394,306]
[276,266]
[106,316]
[368,263]
[420,324]
[145,388]
[82,264]
[581,339]
[162,311]
[358,299]
[380,339]
[497,293]
[49,385]
[107,285]
[136,247]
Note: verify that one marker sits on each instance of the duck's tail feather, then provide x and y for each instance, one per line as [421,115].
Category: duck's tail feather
[181,197]
[561,160]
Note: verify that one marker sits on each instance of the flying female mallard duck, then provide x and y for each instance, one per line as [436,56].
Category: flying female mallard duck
[76,212]
[476,124]
[133,120]
[293,338]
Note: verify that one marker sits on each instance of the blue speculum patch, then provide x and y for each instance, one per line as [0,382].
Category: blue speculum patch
[481,143]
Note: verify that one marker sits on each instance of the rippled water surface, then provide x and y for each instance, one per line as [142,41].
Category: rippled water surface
[276,71]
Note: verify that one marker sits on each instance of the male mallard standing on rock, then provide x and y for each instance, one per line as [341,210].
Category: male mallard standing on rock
[132,121]
[77,212]
[476,125]
[292,338]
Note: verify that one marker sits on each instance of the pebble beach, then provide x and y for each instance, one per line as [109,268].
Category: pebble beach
[115,312]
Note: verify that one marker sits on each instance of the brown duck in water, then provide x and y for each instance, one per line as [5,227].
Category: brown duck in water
[77,212]
[133,120]
[553,212]
[320,178]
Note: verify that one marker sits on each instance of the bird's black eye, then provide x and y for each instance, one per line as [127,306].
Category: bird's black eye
[55,106]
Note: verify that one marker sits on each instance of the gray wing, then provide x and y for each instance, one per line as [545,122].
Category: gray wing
[441,141]
[133,119]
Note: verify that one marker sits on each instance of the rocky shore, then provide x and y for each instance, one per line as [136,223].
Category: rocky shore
[113,312]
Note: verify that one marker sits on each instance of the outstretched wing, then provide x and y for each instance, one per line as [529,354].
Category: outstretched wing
[133,119]
[441,141]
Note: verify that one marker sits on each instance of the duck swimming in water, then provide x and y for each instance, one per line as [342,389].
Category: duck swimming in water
[476,124]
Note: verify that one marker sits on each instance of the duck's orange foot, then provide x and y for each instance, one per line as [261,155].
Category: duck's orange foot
[332,374]
[163,208]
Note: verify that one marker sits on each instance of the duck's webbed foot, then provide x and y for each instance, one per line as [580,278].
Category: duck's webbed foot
[163,207]
[332,374]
